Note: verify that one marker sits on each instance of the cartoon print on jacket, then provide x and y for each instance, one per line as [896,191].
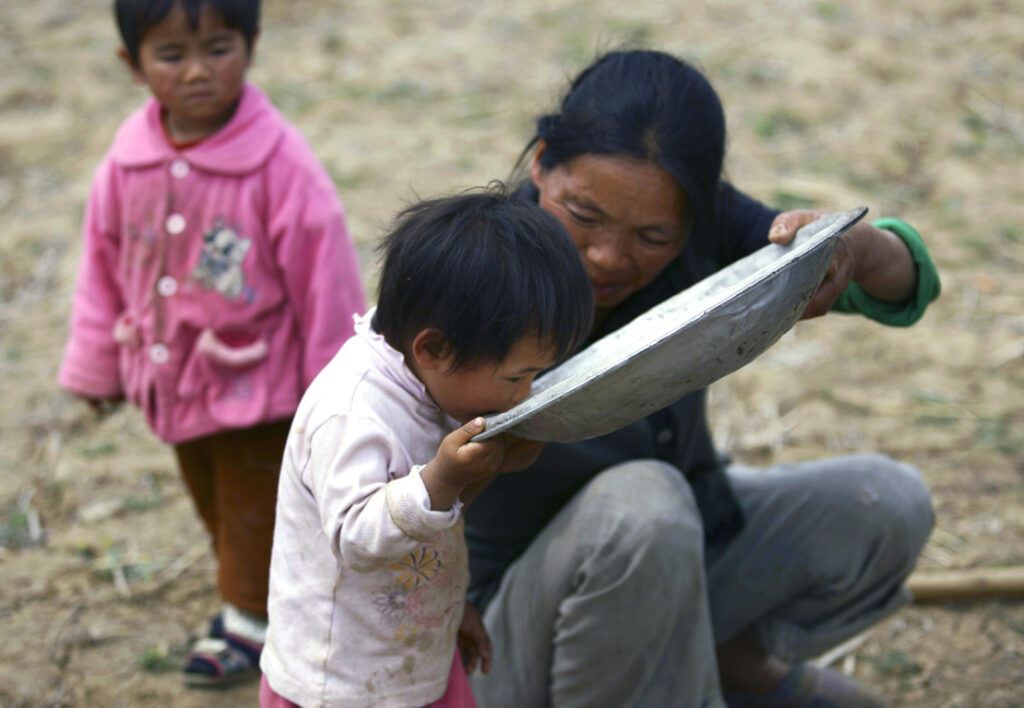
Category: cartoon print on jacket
[220,263]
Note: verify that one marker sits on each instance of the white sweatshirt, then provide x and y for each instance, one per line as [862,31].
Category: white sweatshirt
[367,584]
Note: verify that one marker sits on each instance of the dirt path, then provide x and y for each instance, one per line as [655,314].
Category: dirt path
[913,108]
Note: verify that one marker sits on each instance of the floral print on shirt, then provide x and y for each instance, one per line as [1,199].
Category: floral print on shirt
[426,590]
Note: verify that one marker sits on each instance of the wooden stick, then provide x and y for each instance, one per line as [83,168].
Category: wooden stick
[967,584]
[843,651]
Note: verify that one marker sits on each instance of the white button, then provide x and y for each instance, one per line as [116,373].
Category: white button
[167,286]
[175,224]
[179,168]
[158,353]
[664,436]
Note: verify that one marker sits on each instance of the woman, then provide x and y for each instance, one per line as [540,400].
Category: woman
[642,567]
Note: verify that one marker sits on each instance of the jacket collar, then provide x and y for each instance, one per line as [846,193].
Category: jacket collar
[391,363]
[241,146]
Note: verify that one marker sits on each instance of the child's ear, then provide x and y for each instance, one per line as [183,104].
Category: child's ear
[126,59]
[431,350]
[252,45]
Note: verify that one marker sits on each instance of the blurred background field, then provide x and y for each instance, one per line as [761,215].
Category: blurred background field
[914,109]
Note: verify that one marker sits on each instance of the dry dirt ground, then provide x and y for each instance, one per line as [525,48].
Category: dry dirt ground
[913,108]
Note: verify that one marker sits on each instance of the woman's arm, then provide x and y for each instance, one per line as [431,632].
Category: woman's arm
[881,270]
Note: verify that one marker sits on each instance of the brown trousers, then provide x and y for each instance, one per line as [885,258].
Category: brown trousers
[232,477]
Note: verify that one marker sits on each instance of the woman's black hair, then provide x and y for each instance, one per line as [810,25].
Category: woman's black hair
[135,17]
[485,270]
[646,105]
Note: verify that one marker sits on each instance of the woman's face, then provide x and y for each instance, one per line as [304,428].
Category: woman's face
[627,218]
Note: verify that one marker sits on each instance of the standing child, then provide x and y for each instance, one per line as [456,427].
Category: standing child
[217,278]
[478,294]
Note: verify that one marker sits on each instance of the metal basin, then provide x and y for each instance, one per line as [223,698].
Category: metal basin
[681,345]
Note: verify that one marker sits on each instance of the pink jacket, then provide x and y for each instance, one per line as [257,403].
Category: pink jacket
[215,280]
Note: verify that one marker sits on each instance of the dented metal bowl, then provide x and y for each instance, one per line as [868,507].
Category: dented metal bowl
[681,345]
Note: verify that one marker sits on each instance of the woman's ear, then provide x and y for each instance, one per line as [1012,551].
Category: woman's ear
[536,169]
[431,350]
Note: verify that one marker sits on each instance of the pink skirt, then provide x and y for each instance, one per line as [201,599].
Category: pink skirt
[457,695]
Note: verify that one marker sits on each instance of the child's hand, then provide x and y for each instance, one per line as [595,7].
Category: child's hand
[102,407]
[459,462]
[473,642]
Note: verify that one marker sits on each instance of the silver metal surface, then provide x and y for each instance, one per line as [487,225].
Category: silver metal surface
[681,345]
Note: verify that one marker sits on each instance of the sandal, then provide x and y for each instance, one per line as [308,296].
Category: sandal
[221,659]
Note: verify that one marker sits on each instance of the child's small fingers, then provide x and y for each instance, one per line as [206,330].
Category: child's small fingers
[468,430]
[488,452]
[460,437]
[483,646]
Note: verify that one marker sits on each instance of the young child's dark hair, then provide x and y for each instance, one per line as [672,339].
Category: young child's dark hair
[485,270]
[134,17]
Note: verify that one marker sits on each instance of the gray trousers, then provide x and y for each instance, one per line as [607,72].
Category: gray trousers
[614,603]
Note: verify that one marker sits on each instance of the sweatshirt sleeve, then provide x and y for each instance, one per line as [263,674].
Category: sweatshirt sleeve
[318,260]
[373,511]
[745,223]
[854,299]
[90,365]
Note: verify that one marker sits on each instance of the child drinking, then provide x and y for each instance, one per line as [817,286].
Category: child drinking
[478,293]
[217,278]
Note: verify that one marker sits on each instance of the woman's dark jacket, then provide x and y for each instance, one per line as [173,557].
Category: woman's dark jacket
[503,520]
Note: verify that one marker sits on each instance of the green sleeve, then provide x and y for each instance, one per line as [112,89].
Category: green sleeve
[853,299]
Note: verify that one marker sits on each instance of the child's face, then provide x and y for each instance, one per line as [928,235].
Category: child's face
[488,388]
[196,75]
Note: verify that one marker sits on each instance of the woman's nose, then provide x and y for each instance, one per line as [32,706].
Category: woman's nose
[606,252]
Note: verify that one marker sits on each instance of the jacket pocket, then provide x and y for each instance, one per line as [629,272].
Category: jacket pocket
[230,375]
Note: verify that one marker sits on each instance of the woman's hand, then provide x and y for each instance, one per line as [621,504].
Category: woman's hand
[473,642]
[519,453]
[877,260]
